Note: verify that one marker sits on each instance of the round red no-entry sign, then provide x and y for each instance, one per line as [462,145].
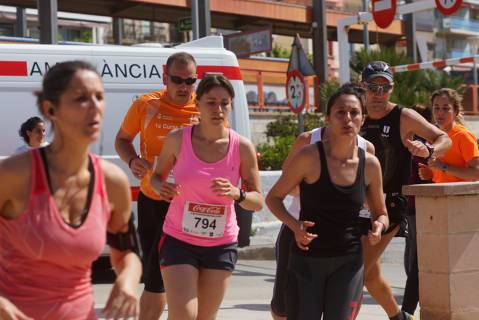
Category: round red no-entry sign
[383,12]
[448,7]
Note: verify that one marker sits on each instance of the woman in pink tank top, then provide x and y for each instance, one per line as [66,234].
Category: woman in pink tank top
[198,251]
[57,204]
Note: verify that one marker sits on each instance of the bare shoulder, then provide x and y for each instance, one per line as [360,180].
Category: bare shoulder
[411,117]
[370,147]
[371,161]
[245,144]
[309,152]
[16,167]
[304,138]
[16,177]
[410,113]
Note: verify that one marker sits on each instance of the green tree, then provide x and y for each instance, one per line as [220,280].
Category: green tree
[280,52]
[327,89]
[287,125]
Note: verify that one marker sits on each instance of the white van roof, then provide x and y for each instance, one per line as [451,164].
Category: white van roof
[126,71]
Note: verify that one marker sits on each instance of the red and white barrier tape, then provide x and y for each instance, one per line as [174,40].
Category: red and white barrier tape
[438,64]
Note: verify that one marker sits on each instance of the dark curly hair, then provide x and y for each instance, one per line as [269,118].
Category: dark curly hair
[29,125]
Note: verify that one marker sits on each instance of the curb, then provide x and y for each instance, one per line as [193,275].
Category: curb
[394,254]
[257,252]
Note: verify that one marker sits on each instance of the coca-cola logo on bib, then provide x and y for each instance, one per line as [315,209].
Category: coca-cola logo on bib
[206,209]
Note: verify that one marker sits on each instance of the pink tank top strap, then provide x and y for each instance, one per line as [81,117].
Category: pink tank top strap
[186,149]
[234,147]
[100,187]
[39,179]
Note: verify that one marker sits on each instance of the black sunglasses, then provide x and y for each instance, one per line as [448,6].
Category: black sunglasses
[180,80]
[379,88]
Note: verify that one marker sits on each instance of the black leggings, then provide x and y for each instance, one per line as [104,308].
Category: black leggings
[411,292]
[328,287]
[283,248]
[151,216]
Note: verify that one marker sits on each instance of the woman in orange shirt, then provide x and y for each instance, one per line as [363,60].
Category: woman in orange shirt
[461,161]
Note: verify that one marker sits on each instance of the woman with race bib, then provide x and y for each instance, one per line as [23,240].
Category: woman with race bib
[198,251]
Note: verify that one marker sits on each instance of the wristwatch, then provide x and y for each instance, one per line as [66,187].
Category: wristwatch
[242,195]
[431,151]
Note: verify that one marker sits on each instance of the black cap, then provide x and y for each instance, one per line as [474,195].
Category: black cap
[377,69]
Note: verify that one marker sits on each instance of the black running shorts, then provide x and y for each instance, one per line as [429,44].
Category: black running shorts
[174,252]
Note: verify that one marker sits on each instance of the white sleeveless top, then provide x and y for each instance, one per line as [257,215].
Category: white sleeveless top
[316,136]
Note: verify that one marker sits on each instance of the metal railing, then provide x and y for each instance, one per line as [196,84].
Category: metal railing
[261,106]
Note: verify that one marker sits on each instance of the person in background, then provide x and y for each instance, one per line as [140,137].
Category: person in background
[461,161]
[33,134]
[411,291]
[60,205]
[390,127]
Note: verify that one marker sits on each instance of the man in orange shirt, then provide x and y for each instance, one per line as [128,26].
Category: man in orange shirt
[153,116]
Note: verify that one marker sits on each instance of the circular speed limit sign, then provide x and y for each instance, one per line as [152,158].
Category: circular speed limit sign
[448,7]
[295,91]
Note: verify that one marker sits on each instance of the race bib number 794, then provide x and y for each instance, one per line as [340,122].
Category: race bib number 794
[204,220]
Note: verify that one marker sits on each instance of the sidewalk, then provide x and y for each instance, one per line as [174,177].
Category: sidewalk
[249,292]
[250,289]
[262,247]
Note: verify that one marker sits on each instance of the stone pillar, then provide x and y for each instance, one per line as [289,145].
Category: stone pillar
[447,217]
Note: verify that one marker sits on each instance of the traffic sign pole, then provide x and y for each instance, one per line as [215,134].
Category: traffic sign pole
[364,17]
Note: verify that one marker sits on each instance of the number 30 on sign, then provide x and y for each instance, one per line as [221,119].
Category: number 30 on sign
[295,91]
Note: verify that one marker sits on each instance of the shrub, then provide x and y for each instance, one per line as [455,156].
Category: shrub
[281,134]
[273,155]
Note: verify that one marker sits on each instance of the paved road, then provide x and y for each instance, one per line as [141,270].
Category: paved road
[250,290]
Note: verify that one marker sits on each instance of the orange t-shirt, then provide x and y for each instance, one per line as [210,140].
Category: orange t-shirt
[464,149]
[153,115]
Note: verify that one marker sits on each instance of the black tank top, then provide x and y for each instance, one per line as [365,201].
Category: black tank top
[394,157]
[334,210]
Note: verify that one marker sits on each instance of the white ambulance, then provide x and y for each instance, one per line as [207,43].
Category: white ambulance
[127,73]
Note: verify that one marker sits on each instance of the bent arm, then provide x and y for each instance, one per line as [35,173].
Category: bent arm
[374,191]
[250,177]
[471,172]
[415,124]
[124,146]
[290,177]
[302,140]
[126,263]
[165,163]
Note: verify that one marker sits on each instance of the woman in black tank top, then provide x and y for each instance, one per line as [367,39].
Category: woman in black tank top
[335,177]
